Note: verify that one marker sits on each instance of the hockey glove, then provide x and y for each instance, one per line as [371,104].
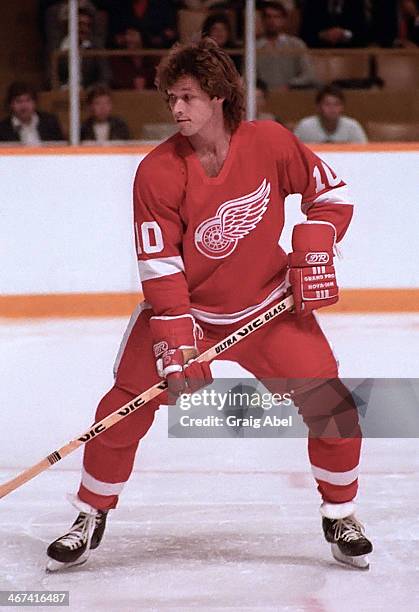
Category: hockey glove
[311,270]
[175,350]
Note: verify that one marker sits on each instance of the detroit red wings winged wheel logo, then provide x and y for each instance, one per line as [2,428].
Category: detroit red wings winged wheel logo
[218,236]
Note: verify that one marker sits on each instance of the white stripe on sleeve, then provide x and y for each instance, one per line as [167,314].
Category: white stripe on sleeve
[339,195]
[156,268]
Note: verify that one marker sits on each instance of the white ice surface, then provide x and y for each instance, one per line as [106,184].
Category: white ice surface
[215,525]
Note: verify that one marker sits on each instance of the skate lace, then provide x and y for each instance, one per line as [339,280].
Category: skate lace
[82,531]
[348,529]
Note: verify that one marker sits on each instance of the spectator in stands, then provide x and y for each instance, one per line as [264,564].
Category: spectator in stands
[293,16]
[235,9]
[93,69]
[25,124]
[277,65]
[54,21]
[334,23]
[155,18]
[218,27]
[409,24]
[101,126]
[133,71]
[330,124]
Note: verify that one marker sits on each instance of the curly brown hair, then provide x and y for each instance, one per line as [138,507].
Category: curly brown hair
[214,70]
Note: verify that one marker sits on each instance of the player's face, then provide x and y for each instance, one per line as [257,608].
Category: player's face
[192,109]
[23,107]
[331,108]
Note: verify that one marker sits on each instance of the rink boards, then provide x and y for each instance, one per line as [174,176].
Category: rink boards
[66,235]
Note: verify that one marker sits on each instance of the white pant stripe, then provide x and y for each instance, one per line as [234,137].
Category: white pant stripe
[99,487]
[133,319]
[335,478]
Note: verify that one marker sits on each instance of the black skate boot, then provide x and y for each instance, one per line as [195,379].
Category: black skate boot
[349,544]
[73,548]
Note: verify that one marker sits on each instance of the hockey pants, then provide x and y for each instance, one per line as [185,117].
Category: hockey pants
[291,350]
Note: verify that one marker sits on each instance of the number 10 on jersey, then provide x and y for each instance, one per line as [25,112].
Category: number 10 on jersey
[149,238]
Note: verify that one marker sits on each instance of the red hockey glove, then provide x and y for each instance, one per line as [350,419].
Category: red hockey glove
[311,270]
[175,349]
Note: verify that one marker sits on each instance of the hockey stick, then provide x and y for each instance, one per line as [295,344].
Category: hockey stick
[97,428]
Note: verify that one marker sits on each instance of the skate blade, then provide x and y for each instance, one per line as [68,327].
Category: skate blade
[57,566]
[361,562]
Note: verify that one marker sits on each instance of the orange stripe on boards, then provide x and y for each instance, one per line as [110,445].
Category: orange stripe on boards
[80,150]
[372,147]
[69,305]
[376,300]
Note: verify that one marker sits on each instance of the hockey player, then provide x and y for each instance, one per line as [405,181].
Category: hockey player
[208,205]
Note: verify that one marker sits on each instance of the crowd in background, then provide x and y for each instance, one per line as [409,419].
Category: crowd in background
[133,25]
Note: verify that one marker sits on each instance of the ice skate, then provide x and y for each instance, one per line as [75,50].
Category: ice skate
[73,548]
[348,541]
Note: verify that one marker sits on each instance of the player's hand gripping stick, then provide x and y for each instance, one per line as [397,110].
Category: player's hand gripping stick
[175,351]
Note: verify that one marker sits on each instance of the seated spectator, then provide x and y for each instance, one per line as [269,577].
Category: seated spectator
[93,69]
[334,23]
[54,22]
[131,71]
[155,18]
[218,27]
[281,70]
[25,124]
[330,124]
[261,95]
[101,125]
[409,24]
[235,10]
[293,16]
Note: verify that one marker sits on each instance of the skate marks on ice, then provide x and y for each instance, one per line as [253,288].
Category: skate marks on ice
[217,542]
[202,559]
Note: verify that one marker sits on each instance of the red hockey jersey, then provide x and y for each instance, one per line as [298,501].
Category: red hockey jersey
[209,245]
